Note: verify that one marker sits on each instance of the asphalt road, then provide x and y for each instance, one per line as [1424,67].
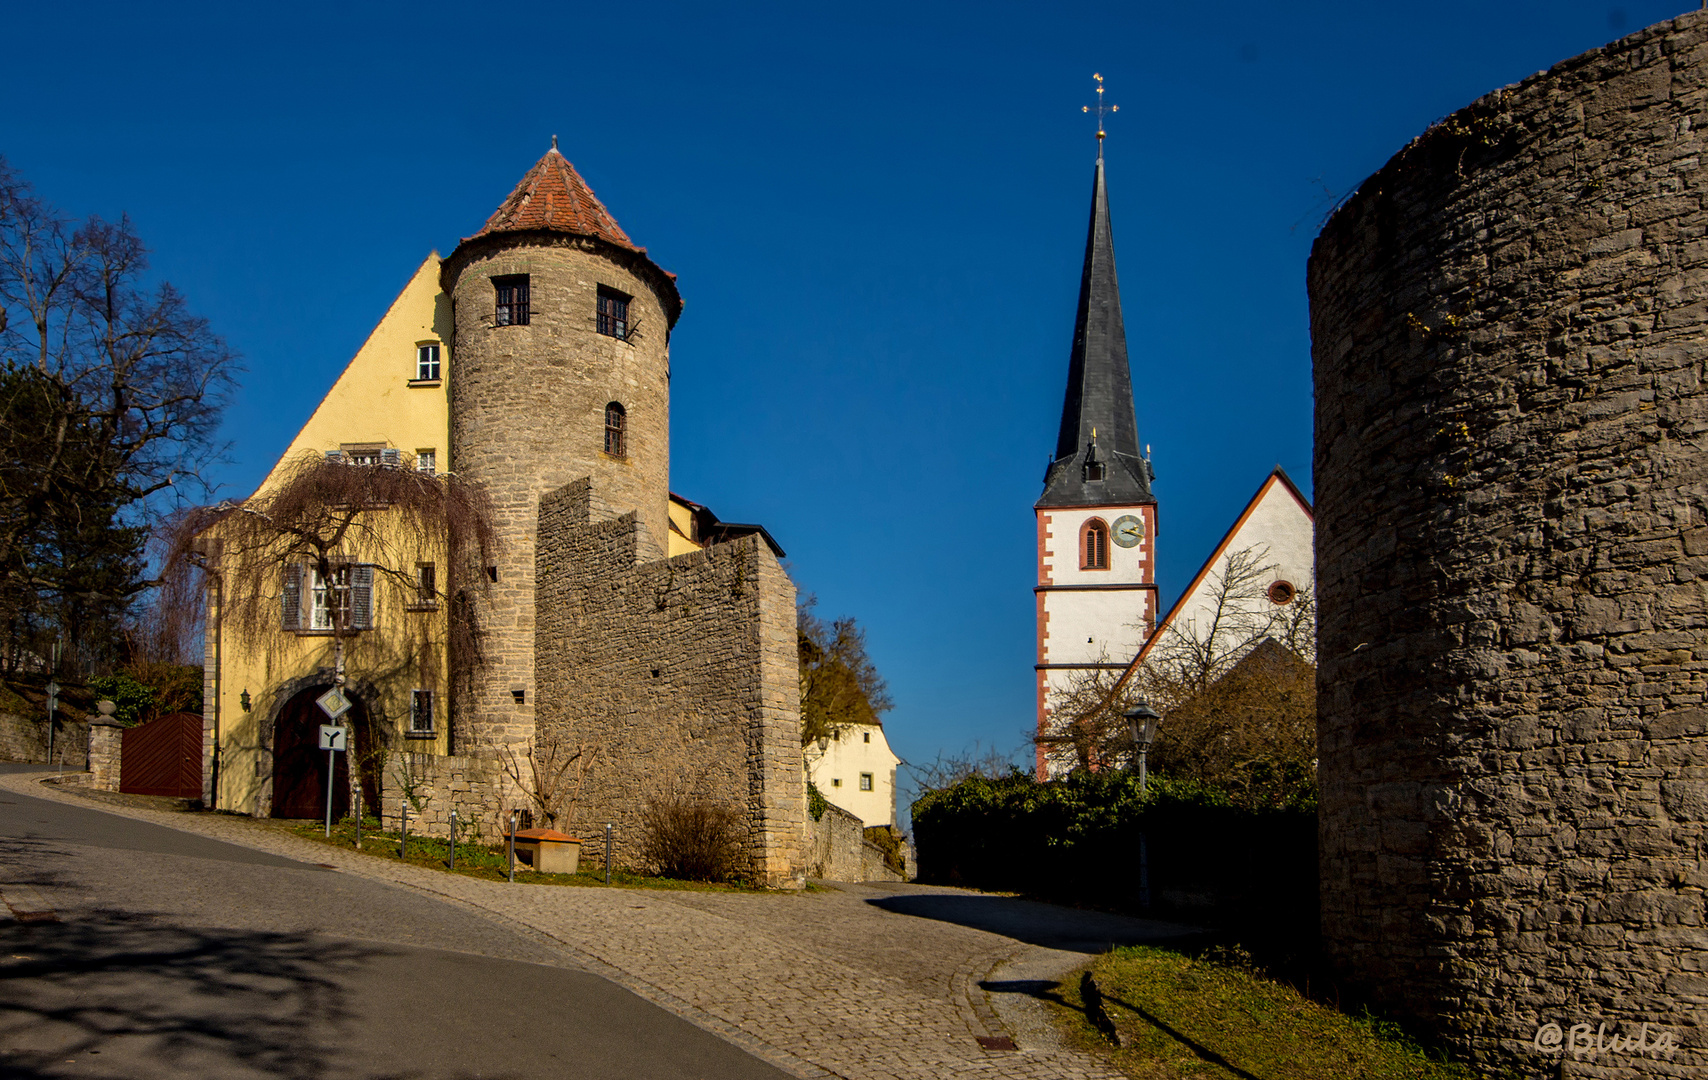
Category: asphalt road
[172,955]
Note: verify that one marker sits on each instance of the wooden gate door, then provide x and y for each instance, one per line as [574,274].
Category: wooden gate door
[163,757]
[299,764]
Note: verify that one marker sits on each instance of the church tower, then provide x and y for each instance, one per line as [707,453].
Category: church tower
[1096,592]
[561,371]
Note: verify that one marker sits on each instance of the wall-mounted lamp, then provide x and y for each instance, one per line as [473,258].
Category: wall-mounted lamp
[243,699]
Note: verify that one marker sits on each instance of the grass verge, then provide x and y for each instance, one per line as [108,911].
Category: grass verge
[484,861]
[1161,1015]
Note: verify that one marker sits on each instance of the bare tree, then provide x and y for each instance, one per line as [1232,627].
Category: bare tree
[551,772]
[1235,683]
[110,392]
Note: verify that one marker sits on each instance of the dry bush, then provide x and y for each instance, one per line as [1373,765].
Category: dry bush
[692,839]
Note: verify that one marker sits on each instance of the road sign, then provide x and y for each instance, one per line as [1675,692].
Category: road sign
[334,737]
[52,696]
[333,703]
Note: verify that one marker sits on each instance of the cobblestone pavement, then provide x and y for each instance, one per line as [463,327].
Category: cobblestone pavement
[867,982]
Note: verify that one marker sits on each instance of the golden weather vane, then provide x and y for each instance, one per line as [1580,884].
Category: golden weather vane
[1103,110]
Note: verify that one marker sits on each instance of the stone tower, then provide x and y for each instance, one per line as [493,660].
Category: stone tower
[1509,327]
[562,331]
[1096,591]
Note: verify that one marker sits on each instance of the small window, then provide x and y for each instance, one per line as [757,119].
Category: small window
[1282,592]
[867,735]
[513,306]
[421,712]
[427,461]
[613,313]
[426,585]
[492,574]
[427,362]
[865,781]
[836,782]
[616,420]
[1094,470]
[521,696]
[1094,546]
[364,455]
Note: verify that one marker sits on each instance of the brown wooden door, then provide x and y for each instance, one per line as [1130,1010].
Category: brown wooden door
[163,757]
[299,764]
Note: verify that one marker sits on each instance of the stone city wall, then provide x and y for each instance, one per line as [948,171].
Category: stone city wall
[476,787]
[1509,327]
[674,678]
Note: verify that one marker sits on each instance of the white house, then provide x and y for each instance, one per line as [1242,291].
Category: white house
[856,770]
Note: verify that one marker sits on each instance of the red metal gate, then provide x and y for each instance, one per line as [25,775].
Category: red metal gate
[163,757]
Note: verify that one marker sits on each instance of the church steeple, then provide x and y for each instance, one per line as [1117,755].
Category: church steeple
[1097,459]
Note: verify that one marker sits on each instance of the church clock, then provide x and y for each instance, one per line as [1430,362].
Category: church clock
[1128,530]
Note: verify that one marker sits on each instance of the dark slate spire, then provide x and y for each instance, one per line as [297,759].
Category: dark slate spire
[1097,452]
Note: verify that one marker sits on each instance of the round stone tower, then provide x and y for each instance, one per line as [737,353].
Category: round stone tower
[560,370]
[1509,326]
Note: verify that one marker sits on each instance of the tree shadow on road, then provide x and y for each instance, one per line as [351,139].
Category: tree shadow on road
[1049,925]
[126,996]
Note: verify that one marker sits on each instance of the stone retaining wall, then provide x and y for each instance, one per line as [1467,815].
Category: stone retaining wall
[1509,327]
[24,738]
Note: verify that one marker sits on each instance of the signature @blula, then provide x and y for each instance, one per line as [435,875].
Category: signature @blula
[1582,1040]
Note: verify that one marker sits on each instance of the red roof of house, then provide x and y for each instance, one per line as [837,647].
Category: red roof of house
[553,197]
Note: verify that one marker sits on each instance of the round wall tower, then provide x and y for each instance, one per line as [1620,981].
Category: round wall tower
[560,370]
[1509,326]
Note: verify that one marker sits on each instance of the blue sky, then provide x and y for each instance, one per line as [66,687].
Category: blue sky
[876,213]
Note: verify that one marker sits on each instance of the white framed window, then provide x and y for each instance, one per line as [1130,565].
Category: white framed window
[347,596]
[427,362]
[427,461]
[865,781]
[421,712]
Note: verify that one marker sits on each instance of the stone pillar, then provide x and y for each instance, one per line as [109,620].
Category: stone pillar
[106,748]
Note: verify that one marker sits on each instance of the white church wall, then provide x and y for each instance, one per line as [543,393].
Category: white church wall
[1086,627]
[1060,556]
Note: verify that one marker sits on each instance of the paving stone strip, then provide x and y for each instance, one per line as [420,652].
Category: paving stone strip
[820,985]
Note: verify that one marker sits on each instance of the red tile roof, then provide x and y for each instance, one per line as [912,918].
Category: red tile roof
[553,197]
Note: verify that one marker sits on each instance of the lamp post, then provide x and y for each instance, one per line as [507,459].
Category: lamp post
[1142,719]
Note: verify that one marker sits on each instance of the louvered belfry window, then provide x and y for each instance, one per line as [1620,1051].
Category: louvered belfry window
[616,421]
[513,304]
[1095,546]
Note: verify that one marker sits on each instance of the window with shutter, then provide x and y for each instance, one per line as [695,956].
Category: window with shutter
[290,616]
[361,597]
[390,458]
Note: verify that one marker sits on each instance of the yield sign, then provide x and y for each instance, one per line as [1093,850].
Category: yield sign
[333,703]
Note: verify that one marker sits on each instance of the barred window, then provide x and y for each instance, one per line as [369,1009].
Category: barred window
[613,313]
[616,421]
[513,305]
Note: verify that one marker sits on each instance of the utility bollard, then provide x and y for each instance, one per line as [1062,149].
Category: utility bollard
[512,854]
[403,843]
[358,817]
[607,853]
[453,839]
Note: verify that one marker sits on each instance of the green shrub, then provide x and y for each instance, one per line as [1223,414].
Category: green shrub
[131,699]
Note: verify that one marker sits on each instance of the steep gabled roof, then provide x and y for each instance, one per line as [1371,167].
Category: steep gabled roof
[553,197]
[1097,411]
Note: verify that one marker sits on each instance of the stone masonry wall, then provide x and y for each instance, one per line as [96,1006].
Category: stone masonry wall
[1509,327]
[673,677]
[24,738]
[475,787]
[528,416]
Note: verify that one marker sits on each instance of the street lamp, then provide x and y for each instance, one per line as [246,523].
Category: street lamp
[1142,719]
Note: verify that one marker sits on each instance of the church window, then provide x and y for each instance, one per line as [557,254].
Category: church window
[1094,546]
[616,424]
[1282,593]
[613,313]
[427,362]
[514,308]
